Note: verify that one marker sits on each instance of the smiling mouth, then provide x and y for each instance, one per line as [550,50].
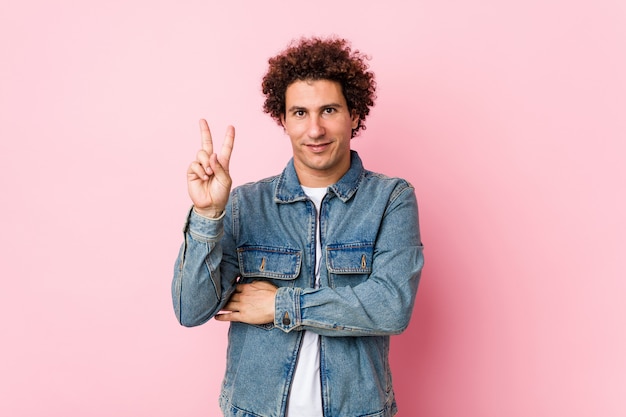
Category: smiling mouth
[318,147]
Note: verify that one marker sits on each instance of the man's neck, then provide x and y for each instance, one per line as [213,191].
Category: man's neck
[318,179]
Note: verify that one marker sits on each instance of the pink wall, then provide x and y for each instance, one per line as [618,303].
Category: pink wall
[508,117]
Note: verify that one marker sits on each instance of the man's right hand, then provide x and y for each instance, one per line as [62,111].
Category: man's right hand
[208,179]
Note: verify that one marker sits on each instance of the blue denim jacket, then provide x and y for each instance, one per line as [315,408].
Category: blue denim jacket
[371,263]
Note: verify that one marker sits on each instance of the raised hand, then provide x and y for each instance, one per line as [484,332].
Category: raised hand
[208,178]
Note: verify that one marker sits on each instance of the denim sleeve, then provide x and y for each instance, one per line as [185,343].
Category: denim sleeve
[382,304]
[202,281]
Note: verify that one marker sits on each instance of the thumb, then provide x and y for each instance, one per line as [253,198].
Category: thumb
[221,174]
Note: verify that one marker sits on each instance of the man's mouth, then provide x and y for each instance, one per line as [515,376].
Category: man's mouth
[318,147]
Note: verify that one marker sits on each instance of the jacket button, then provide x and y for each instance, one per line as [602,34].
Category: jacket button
[286,319]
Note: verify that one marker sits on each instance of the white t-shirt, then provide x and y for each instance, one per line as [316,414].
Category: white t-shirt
[305,397]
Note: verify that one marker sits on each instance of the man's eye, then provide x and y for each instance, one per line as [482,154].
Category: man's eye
[329,110]
[299,113]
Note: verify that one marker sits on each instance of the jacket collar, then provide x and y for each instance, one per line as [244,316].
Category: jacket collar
[288,189]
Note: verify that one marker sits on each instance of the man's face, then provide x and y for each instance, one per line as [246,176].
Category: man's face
[320,126]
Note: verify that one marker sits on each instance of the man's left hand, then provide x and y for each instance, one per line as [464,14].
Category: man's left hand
[252,303]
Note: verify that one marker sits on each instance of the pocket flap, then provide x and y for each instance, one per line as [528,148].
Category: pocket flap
[353,258]
[267,262]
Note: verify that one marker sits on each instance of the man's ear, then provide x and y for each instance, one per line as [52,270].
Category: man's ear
[282,120]
[355,119]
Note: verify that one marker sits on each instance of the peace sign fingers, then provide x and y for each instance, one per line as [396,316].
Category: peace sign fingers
[208,177]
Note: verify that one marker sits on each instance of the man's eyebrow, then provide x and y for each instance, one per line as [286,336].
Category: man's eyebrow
[323,106]
[331,105]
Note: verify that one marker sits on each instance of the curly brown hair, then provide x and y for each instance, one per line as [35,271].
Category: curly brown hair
[320,59]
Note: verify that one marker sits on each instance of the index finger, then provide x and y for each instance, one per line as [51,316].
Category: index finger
[205,134]
[227,147]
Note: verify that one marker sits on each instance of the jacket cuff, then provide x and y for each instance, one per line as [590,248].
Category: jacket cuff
[203,228]
[287,311]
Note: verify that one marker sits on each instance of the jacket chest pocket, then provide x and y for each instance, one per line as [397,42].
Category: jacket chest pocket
[349,264]
[265,262]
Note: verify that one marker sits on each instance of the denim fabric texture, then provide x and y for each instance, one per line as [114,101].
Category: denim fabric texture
[372,257]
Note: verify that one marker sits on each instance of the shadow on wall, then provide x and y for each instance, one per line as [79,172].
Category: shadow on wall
[416,353]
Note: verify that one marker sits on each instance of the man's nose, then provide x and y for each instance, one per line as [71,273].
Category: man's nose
[316,127]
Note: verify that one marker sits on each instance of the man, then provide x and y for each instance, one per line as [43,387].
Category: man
[316,267]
